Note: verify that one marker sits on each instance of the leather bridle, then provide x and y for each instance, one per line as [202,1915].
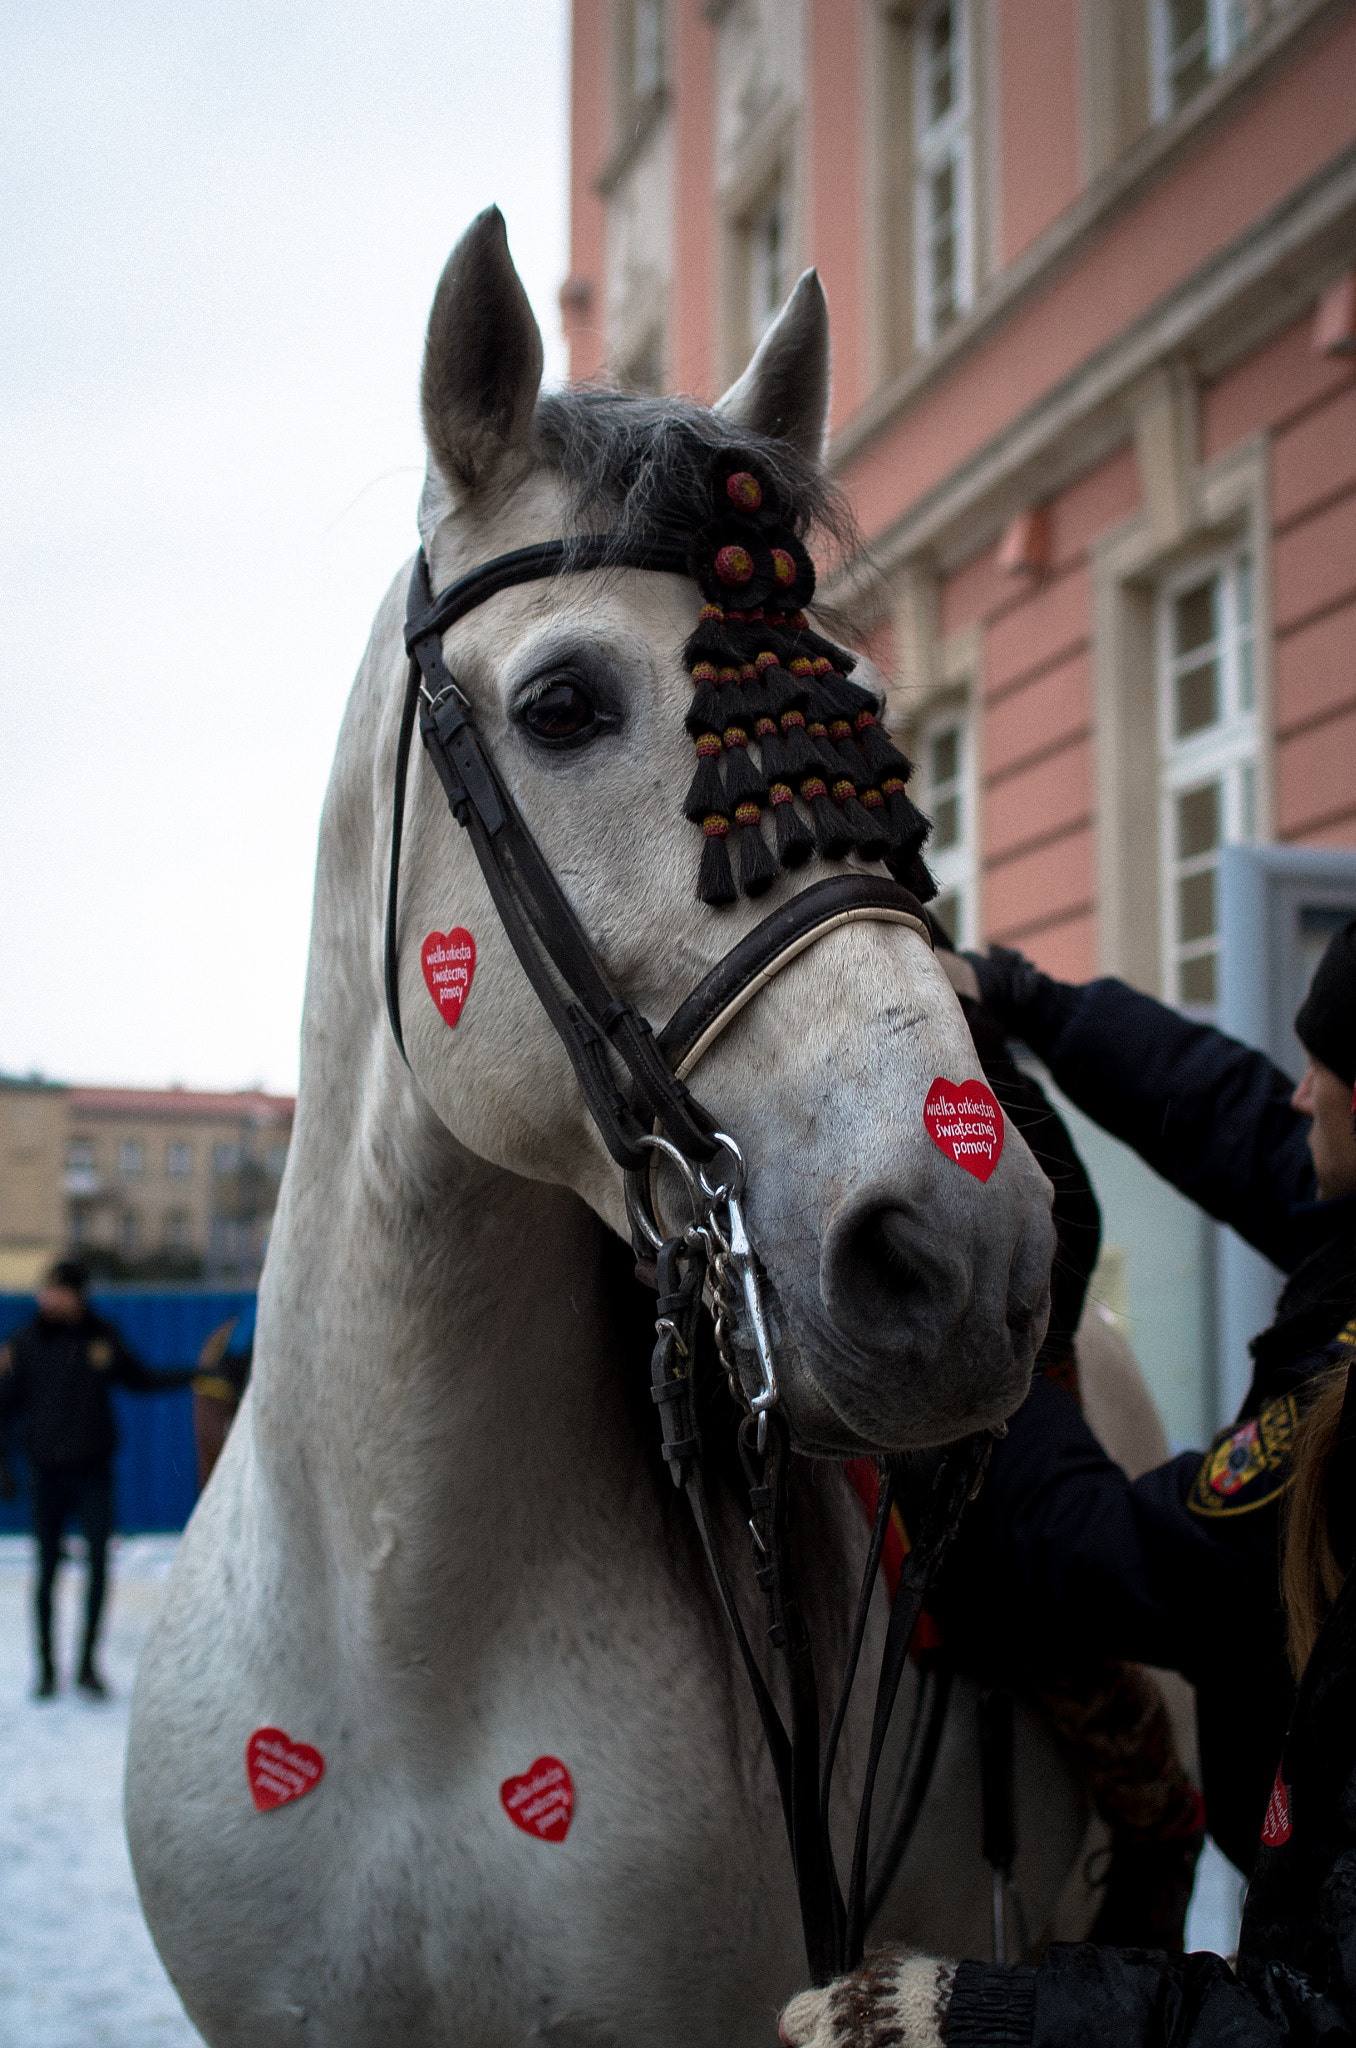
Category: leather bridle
[709,1261]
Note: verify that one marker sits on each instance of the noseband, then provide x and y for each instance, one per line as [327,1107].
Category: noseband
[709,1260]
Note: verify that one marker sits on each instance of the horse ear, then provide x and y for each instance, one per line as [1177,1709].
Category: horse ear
[785,390]
[482,361]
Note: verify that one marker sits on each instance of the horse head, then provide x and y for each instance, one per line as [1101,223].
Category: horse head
[907,1294]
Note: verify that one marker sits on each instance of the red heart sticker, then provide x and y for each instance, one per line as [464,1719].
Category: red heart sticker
[1276,1824]
[964,1121]
[449,960]
[541,1801]
[279,1769]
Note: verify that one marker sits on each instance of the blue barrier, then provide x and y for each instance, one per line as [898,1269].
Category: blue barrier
[155,1472]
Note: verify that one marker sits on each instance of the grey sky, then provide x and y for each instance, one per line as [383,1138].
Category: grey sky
[219,236]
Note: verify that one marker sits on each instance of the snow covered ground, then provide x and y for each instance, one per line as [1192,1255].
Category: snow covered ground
[77,1968]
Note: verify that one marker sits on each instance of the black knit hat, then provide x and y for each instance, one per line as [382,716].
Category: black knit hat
[70,1273]
[1326,1023]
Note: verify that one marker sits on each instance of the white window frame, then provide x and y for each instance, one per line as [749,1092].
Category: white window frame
[764,306]
[955,869]
[935,143]
[131,1158]
[647,52]
[1226,33]
[179,1161]
[1225,752]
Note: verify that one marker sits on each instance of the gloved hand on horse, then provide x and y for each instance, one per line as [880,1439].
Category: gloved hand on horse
[896,1995]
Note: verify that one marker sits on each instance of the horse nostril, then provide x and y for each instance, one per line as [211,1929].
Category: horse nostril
[888,1280]
[884,1250]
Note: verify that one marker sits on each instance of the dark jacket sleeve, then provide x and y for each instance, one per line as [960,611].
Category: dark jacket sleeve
[1210,1115]
[128,1370]
[12,1379]
[1115,1998]
[1062,1550]
[1295,1985]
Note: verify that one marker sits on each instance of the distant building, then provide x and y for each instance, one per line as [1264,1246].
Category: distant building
[144,1184]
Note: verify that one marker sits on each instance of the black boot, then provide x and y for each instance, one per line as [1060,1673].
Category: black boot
[88,1678]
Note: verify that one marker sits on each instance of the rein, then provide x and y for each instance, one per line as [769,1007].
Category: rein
[709,1259]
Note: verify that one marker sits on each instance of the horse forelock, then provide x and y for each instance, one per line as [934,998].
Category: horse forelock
[640,468]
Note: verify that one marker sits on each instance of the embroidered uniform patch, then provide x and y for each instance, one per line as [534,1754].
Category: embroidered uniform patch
[280,1770]
[1246,1467]
[449,961]
[1276,1824]
[541,1801]
[963,1120]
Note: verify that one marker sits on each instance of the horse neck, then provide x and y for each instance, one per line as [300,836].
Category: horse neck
[432,1328]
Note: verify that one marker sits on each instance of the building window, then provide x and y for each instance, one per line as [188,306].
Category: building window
[1192,39]
[176,1231]
[945,795]
[179,1161]
[648,50]
[943,173]
[644,373]
[1208,754]
[80,1155]
[130,1158]
[130,1233]
[767,265]
[275,1160]
[225,1159]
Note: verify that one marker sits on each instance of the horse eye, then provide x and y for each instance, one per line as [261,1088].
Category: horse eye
[561,712]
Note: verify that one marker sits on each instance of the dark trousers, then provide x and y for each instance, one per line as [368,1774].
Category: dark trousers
[85,1491]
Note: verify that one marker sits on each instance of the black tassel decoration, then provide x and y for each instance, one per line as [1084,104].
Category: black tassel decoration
[848,752]
[744,780]
[845,699]
[882,755]
[864,832]
[705,713]
[818,735]
[877,844]
[795,840]
[751,697]
[832,834]
[800,758]
[783,691]
[908,827]
[710,639]
[771,751]
[715,878]
[757,863]
[707,792]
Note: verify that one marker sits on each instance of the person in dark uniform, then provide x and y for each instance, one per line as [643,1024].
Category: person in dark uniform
[55,1372]
[1293,1981]
[1184,1567]
[1062,1552]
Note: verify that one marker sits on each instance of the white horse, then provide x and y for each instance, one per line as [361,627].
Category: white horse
[440,1544]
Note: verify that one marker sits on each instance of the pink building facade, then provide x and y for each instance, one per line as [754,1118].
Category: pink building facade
[1091,267]
[1090,270]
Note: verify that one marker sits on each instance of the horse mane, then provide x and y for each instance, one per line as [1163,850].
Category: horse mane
[644,464]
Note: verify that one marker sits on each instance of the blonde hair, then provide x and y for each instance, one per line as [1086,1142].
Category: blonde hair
[1311,1577]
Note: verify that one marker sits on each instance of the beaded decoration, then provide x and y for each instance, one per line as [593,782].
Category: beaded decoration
[775,721]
